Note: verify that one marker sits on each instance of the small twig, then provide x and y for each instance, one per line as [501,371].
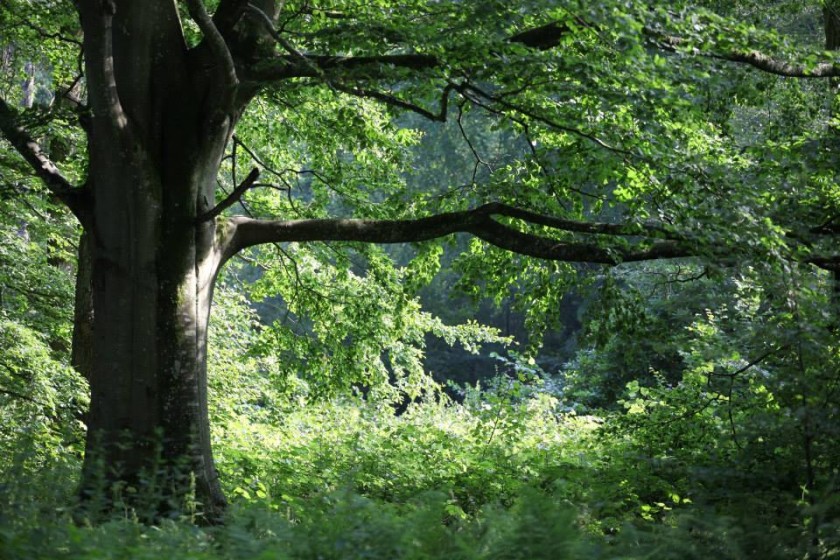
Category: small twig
[694,278]
[269,26]
[478,160]
[750,364]
[39,30]
[729,414]
[256,158]
[539,118]
[299,284]
[694,412]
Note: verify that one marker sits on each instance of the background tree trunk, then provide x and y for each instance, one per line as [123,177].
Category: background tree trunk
[831,22]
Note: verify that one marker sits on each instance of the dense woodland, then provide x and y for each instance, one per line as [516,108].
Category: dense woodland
[417,279]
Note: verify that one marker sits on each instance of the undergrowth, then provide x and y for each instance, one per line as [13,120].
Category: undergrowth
[507,474]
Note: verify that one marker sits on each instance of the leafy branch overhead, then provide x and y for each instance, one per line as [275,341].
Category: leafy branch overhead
[242,40]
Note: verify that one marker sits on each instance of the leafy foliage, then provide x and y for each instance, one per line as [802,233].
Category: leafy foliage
[699,415]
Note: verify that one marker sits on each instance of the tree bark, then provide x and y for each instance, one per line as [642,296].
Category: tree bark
[81,357]
[156,140]
[153,269]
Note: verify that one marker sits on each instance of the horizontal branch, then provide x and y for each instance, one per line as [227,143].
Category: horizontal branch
[479,222]
[658,243]
[830,227]
[297,65]
[781,67]
[20,396]
[312,66]
[577,226]
[74,198]
[543,37]
[753,58]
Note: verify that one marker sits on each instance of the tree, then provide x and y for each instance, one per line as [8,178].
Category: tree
[623,164]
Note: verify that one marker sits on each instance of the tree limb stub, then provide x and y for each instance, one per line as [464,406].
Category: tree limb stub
[233,197]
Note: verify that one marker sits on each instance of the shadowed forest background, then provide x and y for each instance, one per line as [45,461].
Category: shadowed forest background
[489,280]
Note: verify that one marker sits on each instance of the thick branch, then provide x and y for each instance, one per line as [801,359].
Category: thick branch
[479,222]
[26,146]
[781,67]
[755,59]
[228,13]
[97,19]
[500,209]
[545,248]
[282,67]
[312,66]
[247,232]
[547,36]
[216,43]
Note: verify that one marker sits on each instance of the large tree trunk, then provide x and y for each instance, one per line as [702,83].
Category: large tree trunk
[153,272]
[81,357]
[155,149]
